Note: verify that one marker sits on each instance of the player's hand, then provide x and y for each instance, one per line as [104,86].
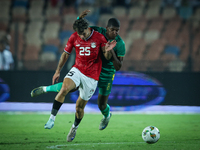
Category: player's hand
[84,13]
[56,76]
[110,45]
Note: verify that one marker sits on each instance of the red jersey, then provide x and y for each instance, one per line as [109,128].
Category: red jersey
[88,55]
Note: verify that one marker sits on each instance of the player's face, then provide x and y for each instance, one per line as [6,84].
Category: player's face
[112,32]
[84,35]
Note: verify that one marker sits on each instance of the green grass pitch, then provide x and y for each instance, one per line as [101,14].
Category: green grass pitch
[26,132]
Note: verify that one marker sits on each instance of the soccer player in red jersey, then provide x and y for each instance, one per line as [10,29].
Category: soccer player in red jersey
[109,67]
[84,74]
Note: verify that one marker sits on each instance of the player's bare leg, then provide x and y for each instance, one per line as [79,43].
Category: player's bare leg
[105,110]
[80,105]
[68,85]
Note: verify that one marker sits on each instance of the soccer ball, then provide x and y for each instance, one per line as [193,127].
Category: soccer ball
[150,134]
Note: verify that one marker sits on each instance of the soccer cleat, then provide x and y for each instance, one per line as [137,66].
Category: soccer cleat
[49,124]
[104,122]
[37,91]
[72,133]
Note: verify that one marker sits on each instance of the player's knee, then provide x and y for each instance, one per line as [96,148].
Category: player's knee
[64,91]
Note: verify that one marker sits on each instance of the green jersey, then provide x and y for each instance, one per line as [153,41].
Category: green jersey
[108,69]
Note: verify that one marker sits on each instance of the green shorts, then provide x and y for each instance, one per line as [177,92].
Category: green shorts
[105,86]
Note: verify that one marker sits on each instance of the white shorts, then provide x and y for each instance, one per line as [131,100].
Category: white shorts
[87,85]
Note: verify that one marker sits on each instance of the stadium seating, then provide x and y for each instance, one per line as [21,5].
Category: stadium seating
[196,43]
[154,3]
[36,10]
[19,14]
[176,65]
[154,41]
[63,35]
[155,50]
[139,24]
[196,15]
[174,50]
[17,42]
[33,34]
[152,12]
[169,13]
[31,65]
[4,10]
[50,48]
[53,14]
[157,24]
[51,30]
[151,35]
[69,18]
[55,42]
[120,9]
[184,54]
[5,3]
[68,10]
[31,58]
[47,56]
[196,64]
[136,50]
[135,34]
[103,19]
[20,3]
[135,13]
[124,26]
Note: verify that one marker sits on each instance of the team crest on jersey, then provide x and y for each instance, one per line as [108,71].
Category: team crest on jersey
[93,44]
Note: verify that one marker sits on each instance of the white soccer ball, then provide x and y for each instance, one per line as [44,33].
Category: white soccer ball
[150,134]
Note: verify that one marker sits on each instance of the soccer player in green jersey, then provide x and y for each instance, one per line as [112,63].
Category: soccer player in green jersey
[109,67]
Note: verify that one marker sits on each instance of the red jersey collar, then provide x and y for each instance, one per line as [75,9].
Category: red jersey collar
[90,34]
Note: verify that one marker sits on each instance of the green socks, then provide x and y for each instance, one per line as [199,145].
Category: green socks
[106,111]
[54,88]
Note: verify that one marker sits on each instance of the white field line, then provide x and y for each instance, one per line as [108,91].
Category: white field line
[70,108]
[80,144]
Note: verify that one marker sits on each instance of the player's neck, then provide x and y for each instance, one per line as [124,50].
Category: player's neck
[89,33]
[107,37]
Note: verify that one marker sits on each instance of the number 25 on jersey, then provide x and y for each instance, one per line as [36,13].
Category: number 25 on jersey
[84,51]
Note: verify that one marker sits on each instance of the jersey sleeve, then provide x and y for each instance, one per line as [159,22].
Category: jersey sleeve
[120,49]
[70,44]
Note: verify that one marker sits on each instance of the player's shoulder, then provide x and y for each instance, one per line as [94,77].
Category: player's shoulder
[119,40]
[103,29]
[99,29]
[96,33]
[74,34]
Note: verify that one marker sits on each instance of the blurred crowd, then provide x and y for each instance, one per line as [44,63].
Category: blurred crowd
[160,35]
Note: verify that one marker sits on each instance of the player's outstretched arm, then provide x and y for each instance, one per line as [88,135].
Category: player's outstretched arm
[61,63]
[84,13]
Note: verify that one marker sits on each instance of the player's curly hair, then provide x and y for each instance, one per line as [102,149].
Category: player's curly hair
[80,25]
